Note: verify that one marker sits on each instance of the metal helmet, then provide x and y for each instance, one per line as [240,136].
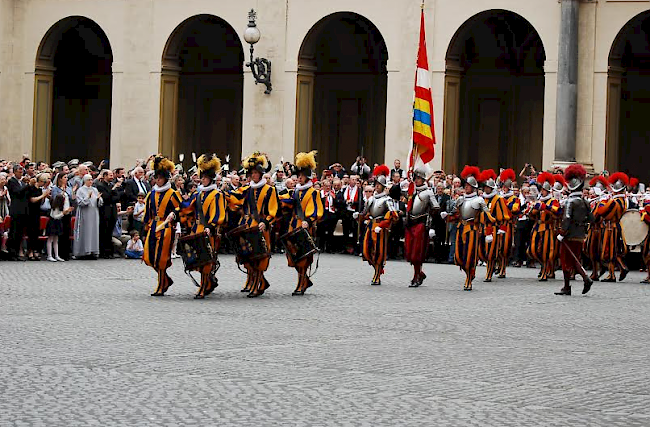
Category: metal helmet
[381,174]
[575,177]
[546,181]
[618,182]
[507,177]
[471,175]
[488,178]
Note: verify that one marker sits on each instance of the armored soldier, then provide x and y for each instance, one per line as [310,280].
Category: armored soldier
[471,212]
[613,248]
[543,240]
[595,235]
[420,206]
[491,240]
[576,216]
[379,213]
[513,204]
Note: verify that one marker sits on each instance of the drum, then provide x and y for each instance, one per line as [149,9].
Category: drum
[249,243]
[196,251]
[634,229]
[298,244]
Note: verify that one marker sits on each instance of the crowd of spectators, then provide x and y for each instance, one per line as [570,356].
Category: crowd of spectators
[85,211]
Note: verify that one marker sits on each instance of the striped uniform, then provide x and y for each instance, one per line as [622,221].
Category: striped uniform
[312,211]
[375,244]
[467,239]
[266,199]
[594,242]
[213,205]
[158,244]
[613,248]
[489,252]
[506,240]
[543,243]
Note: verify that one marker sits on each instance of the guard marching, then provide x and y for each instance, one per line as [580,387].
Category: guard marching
[420,206]
[306,210]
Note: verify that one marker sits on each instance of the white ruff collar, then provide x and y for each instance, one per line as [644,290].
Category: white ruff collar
[619,196]
[489,196]
[260,184]
[508,194]
[380,195]
[208,188]
[545,198]
[422,188]
[163,188]
[470,196]
[304,187]
[576,194]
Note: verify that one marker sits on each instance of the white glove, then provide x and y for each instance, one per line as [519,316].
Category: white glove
[432,234]
[501,232]
[489,238]
[355,215]
[377,230]
[560,237]
[444,215]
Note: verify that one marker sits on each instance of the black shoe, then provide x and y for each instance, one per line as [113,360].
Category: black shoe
[623,275]
[543,280]
[564,291]
[157,294]
[645,281]
[587,286]
[199,296]
[501,276]
[375,283]
[245,290]
[609,280]
[487,280]
[297,293]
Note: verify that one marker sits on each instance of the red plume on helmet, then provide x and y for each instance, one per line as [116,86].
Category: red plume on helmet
[546,177]
[634,182]
[597,179]
[381,170]
[507,174]
[575,171]
[487,174]
[619,176]
[470,171]
[560,179]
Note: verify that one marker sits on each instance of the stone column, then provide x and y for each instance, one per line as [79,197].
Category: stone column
[567,84]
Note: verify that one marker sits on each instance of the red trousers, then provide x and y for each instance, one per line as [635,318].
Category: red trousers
[567,260]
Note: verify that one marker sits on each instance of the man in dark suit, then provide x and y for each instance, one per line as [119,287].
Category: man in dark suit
[397,169]
[111,194]
[18,210]
[440,226]
[135,186]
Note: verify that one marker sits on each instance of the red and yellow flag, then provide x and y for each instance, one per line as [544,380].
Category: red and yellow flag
[423,131]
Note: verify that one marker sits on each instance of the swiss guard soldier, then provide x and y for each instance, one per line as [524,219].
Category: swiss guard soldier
[259,204]
[380,214]
[645,250]
[576,215]
[491,240]
[306,210]
[470,212]
[544,212]
[513,204]
[209,207]
[419,208]
[595,235]
[162,208]
[613,248]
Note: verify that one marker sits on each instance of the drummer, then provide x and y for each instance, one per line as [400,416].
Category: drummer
[258,202]
[306,210]
[208,205]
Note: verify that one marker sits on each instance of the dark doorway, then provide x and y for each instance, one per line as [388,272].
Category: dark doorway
[498,59]
[82,90]
[207,56]
[342,81]
[630,69]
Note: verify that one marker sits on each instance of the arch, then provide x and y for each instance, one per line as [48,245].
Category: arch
[341,93]
[202,86]
[628,100]
[73,92]
[494,92]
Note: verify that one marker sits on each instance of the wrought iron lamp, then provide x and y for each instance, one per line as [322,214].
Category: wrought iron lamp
[260,67]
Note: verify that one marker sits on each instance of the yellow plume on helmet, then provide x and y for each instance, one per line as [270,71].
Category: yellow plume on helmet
[306,160]
[208,164]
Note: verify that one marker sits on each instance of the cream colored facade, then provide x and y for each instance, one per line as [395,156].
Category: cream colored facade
[138,31]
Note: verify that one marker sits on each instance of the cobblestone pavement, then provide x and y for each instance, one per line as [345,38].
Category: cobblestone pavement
[83,344]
